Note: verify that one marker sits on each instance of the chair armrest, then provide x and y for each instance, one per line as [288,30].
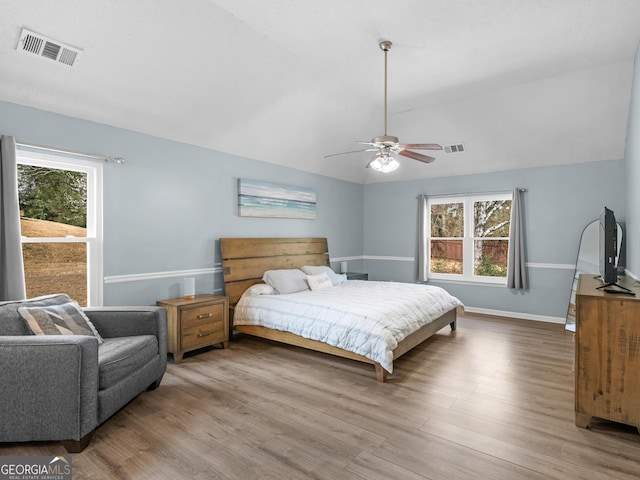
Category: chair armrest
[128,321]
[49,387]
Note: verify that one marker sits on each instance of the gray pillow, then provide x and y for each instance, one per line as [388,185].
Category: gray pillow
[286,281]
[65,319]
[11,323]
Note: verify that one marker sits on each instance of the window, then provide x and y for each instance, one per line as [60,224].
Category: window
[469,237]
[61,226]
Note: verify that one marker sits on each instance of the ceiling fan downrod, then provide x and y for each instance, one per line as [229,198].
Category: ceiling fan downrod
[385,47]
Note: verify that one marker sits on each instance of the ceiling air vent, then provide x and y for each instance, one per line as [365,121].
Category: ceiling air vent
[34,43]
[454,148]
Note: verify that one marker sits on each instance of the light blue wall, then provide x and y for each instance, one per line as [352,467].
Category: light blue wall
[559,202]
[167,206]
[632,174]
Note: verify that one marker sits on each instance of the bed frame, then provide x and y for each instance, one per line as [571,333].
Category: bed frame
[244,261]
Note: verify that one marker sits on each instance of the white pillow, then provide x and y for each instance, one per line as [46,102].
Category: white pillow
[319,282]
[336,279]
[286,280]
[259,289]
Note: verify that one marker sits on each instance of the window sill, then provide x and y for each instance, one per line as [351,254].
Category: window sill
[468,282]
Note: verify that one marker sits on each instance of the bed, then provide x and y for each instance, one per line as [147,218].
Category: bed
[245,261]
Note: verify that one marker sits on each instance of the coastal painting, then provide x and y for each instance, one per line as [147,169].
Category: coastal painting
[264,199]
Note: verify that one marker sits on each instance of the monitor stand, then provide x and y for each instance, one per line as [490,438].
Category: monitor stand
[607,288]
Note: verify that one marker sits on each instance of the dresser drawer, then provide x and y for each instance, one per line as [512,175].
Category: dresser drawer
[205,314]
[205,334]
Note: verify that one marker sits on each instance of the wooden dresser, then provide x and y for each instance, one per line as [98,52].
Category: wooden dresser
[607,361]
[195,323]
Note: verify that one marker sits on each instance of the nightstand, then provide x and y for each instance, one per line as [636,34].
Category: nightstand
[357,276]
[194,323]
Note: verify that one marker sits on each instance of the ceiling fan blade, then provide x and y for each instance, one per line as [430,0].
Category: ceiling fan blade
[346,153]
[421,146]
[416,156]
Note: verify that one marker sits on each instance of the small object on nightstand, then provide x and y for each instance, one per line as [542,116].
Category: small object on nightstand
[357,276]
[189,288]
[197,322]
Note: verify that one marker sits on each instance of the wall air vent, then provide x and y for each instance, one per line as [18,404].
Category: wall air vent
[36,44]
[459,147]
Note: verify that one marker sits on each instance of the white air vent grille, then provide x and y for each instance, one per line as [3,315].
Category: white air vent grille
[34,43]
[459,147]
[68,57]
[31,43]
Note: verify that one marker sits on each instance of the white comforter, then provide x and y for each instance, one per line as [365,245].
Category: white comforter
[365,317]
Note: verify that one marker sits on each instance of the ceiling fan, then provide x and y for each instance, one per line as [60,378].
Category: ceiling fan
[388,146]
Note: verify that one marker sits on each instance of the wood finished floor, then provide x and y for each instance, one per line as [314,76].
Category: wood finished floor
[493,400]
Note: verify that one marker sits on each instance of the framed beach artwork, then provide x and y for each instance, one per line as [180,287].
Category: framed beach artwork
[264,199]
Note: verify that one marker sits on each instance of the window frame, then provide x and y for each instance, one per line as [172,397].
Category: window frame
[94,237]
[468,241]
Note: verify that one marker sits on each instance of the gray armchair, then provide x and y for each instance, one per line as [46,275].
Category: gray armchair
[61,387]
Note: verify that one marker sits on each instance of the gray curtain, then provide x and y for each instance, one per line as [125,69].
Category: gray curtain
[420,268]
[12,285]
[517,274]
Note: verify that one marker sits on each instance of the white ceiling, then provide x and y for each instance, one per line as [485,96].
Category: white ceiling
[521,83]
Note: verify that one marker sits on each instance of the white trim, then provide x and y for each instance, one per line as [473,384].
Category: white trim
[55,239]
[468,235]
[555,266]
[500,284]
[95,156]
[139,277]
[395,259]
[475,194]
[94,230]
[523,316]
[345,259]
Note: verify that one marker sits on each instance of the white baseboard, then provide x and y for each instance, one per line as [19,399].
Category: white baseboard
[519,315]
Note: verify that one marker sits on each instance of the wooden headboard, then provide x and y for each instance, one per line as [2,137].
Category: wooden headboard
[244,260]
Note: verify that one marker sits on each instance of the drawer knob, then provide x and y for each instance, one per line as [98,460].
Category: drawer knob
[204,334]
[205,315]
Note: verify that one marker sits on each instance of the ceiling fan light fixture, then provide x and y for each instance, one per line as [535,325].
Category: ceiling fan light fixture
[384,163]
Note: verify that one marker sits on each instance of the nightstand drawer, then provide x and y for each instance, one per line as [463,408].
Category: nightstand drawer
[192,317]
[205,334]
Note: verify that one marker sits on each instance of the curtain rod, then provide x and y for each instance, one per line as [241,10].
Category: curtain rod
[71,152]
[473,193]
